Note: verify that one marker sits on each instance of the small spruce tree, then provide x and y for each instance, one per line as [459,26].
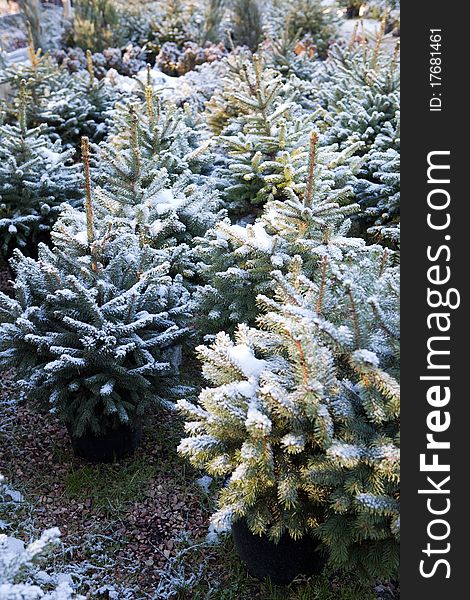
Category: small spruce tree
[265,141]
[169,136]
[69,104]
[137,192]
[237,259]
[94,24]
[360,100]
[36,176]
[306,21]
[36,74]
[175,21]
[246,20]
[95,324]
[301,414]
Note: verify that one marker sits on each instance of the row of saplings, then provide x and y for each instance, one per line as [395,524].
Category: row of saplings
[96,327]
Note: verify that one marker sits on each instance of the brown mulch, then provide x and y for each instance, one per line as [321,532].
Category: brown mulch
[137,536]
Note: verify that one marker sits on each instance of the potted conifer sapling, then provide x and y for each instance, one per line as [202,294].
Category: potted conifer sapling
[259,442]
[92,329]
[301,418]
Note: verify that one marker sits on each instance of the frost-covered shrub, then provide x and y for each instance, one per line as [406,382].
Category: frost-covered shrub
[300,19]
[39,75]
[237,258]
[128,61]
[265,136]
[134,20]
[199,85]
[70,104]
[153,182]
[301,414]
[95,325]
[176,21]
[378,186]
[94,25]
[360,96]
[175,61]
[296,60]
[36,176]
[73,59]
[95,348]
[80,106]
[162,135]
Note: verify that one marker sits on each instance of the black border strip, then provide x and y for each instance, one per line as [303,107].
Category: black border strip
[425,131]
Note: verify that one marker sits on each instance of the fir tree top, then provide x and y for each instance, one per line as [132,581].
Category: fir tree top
[165,135]
[138,194]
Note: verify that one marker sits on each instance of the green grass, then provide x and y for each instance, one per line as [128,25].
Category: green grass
[109,487]
[318,588]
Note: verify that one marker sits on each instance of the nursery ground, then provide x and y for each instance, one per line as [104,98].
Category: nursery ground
[137,527]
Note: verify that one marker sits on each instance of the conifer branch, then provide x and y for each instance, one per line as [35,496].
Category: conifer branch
[89,67]
[383,262]
[355,320]
[354,36]
[311,169]
[88,195]
[302,361]
[258,68]
[321,291]
[22,108]
[245,75]
[32,53]
[363,43]
[149,102]
[134,143]
[378,316]
[378,42]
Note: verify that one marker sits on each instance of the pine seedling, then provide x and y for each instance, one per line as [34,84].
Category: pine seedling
[237,259]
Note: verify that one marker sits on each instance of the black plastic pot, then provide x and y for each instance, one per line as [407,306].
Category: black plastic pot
[281,562]
[109,446]
[352,12]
